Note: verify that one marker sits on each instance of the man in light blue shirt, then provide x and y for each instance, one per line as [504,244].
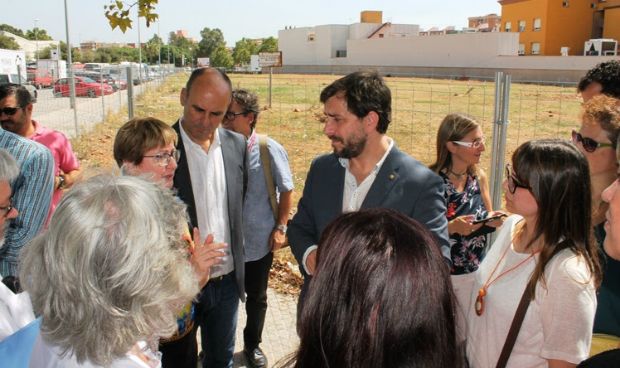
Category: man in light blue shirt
[264,223]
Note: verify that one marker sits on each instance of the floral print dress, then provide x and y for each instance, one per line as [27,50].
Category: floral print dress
[466,251]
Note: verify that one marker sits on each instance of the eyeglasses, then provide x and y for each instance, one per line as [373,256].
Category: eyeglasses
[9,111]
[233,115]
[588,144]
[6,210]
[163,159]
[513,183]
[475,144]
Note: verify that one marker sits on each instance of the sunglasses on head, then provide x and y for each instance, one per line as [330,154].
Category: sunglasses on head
[10,111]
[588,144]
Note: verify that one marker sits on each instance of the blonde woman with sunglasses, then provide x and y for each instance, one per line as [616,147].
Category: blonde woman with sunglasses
[460,144]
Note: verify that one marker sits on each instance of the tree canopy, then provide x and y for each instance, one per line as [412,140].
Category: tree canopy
[8,43]
[37,34]
[117,12]
[211,39]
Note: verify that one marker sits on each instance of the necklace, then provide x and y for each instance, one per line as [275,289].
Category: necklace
[456,175]
[479,305]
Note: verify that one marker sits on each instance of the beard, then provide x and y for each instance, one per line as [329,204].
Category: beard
[352,148]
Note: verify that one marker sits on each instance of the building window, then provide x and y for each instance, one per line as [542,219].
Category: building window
[535,48]
[565,3]
[311,37]
[521,49]
[380,35]
[537,23]
[521,26]
[341,53]
[508,27]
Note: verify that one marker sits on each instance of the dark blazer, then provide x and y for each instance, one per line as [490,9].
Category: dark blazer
[233,152]
[402,184]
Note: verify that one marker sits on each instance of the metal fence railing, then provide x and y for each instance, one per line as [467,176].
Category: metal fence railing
[99,92]
[419,105]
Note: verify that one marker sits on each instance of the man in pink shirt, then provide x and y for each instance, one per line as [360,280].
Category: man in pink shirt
[66,165]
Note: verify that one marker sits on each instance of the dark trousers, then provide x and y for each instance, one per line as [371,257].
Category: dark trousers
[216,311]
[256,279]
[181,353]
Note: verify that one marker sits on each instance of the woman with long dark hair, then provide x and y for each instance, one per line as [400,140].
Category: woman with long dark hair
[545,256]
[381,297]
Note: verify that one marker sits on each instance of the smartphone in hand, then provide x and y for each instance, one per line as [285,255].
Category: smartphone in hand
[487,219]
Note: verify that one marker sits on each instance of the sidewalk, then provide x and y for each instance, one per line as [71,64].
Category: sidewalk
[279,335]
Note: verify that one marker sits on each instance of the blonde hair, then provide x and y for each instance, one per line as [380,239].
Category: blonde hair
[111,269]
[454,127]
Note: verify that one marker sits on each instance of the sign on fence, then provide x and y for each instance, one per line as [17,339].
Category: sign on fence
[270,59]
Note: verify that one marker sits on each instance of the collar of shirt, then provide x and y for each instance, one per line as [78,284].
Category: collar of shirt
[345,161]
[252,140]
[38,129]
[191,145]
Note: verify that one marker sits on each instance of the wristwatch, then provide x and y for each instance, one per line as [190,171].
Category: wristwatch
[282,228]
[61,181]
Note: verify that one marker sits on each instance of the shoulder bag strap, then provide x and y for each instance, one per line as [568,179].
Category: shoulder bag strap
[517,321]
[266,163]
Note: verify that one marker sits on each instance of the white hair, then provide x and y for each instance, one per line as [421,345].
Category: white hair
[111,269]
[8,167]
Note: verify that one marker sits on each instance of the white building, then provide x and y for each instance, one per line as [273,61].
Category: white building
[29,46]
[398,49]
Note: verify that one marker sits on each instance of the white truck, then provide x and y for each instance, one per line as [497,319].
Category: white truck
[13,69]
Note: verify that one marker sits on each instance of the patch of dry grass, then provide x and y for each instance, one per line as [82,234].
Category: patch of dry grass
[419,105]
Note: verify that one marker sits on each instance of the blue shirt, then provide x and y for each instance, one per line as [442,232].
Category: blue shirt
[32,195]
[258,221]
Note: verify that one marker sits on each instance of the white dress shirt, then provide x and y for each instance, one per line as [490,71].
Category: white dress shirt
[208,178]
[354,194]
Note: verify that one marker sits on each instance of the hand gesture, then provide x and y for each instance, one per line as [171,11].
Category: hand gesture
[205,255]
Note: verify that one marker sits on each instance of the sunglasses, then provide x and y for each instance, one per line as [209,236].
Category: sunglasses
[512,182]
[9,111]
[588,144]
[475,144]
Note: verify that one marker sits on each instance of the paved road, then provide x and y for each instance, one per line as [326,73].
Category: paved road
[56,113]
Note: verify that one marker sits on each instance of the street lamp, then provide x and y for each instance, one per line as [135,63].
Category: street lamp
[36,40]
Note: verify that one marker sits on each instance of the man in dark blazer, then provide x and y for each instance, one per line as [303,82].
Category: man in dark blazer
[365,170]
[211,178]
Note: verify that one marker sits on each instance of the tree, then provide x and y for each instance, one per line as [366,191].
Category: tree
[117,13]
[152,48]
[270,44]
[211,40]
[181,49]
[11,29]
[8,43]
[38,34]
[221,57]
[244,48]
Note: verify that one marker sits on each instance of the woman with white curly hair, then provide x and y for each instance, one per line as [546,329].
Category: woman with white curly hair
[109,276]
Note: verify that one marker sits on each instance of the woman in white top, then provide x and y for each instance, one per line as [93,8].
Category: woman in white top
[547,246]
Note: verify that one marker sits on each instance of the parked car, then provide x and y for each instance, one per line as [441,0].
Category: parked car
[84,86]
[97,77]
[117,82]
[14,78]
[38,79]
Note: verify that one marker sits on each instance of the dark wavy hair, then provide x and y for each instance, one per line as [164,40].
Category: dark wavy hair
[607,74]
[364,91]
[381,297]
[558,175]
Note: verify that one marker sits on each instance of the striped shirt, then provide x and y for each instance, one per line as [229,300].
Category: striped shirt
[32,195]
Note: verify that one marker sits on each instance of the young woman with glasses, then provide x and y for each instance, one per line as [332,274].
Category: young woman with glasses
[546,247]
[460,144]
[597,138]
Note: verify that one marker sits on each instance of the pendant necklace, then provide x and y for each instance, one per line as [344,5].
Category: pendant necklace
[479,305]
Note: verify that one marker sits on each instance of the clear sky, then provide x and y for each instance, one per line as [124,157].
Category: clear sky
[236,19]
